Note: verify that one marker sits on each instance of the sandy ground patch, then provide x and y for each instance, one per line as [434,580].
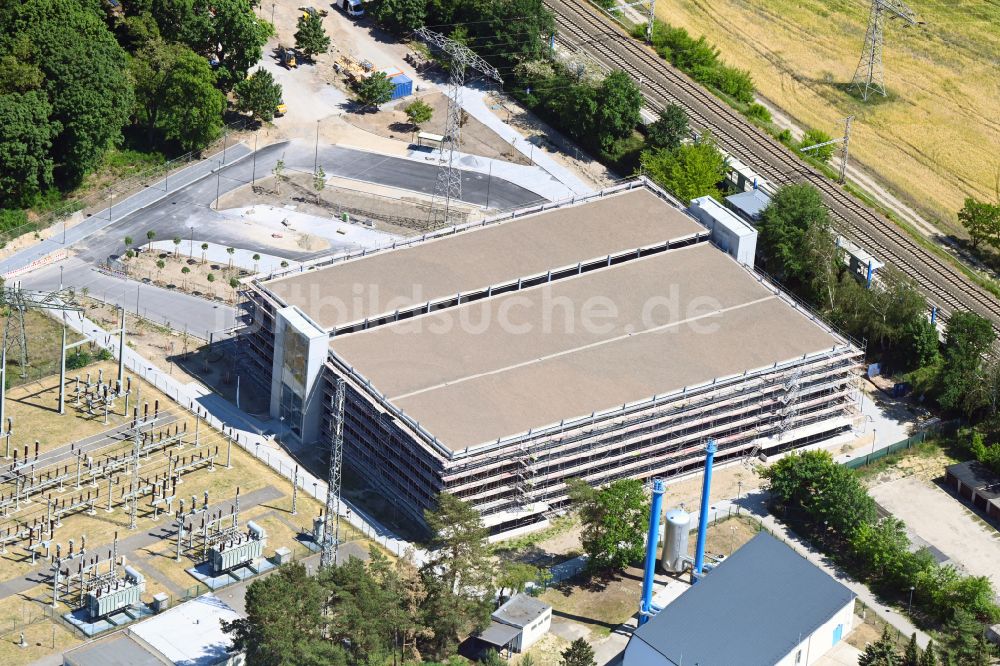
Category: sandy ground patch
[943,521]
[476,138]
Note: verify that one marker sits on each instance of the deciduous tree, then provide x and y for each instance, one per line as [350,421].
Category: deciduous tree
[614,522]
[813,137]
[796,240]
[83,78]
[618,112]
[237,37]
[689,171]
[831,495]
[982,221]
[967,338]
[374,90]
[259,95]
[26,136]
[418,112]
[399,16]
[669,128]
[191,106]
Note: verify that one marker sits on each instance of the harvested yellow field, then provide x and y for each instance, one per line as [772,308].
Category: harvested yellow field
[934,140]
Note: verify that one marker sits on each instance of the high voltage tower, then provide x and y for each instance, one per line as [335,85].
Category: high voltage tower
[870,75]
[449,184]
[15,302]
[331,520]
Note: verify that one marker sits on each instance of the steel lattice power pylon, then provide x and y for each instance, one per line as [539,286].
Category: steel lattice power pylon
[870,74]
[331,520]
[15,302]
[449,185]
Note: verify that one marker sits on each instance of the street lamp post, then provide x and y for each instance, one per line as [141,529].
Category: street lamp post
[191,247]
[909,606]
[739,495]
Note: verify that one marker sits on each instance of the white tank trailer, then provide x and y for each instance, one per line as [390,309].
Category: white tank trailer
[676,530]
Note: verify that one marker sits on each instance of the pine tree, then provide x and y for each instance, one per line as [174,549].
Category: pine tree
[929,657]
[311,38]
[880,653]
[579,653]
[911,655]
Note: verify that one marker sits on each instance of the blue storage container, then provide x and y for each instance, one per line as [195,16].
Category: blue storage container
[402,86]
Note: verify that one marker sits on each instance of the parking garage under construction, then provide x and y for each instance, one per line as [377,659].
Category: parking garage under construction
[601,338]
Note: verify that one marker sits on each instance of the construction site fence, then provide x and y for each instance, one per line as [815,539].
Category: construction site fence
[101,197]
[929,432]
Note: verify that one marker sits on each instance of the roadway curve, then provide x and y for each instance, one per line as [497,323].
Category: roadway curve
[584,27]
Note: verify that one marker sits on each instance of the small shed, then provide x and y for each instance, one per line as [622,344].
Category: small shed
[518,623]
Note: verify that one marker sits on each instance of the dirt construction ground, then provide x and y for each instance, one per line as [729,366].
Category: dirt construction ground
[943,521]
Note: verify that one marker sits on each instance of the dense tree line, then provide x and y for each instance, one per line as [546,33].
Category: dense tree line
[798,248]
[74,77]
[828,502]
[380,612]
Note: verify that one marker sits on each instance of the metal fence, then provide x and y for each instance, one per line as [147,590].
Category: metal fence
[934,430]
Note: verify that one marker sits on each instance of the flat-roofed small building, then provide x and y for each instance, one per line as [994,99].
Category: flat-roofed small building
[603,338]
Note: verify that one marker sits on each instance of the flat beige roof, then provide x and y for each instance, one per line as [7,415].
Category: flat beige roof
[497,367]
[481,257]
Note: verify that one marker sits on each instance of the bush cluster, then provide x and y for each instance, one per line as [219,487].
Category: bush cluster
[700,60]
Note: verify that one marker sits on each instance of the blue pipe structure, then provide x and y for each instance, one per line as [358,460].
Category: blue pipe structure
[652,540]
[933,315]
[706,490]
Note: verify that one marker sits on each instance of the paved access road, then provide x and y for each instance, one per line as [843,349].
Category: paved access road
[185,209]
[182,312]
[137,201]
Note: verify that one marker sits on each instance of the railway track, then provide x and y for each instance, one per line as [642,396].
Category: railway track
[582,26]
